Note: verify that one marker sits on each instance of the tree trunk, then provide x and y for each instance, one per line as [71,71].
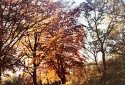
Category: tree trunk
[34,57]
[34,71]
[97,64]
[104,61]
[61,68]
[34,77]
[103,78]
[63,79]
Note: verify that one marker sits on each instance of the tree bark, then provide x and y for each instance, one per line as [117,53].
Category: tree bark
[97,64]
[63,79]
[34,57]
[34,70]
[103,78]
[103,59]
[61,68]
[34,77]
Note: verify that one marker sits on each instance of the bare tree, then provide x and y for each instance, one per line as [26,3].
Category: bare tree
[101,21]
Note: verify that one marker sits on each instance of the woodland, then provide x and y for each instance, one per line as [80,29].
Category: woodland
[48,42]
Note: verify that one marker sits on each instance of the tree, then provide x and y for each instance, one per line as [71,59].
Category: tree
[35,38]
[101,22]
[16,17]
[66,43]
[57,43]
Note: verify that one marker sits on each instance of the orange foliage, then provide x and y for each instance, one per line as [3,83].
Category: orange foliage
[58,34]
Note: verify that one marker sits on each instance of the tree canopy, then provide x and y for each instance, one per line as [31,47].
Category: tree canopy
[48,42]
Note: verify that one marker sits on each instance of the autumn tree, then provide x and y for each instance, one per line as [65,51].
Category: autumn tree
[35,40]
[55,43]
[16,17]
[66,41]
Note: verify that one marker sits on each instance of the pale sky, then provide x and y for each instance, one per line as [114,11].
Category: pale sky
[77,1]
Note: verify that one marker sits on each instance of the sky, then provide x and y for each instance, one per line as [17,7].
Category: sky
[82,21]
[79,1]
